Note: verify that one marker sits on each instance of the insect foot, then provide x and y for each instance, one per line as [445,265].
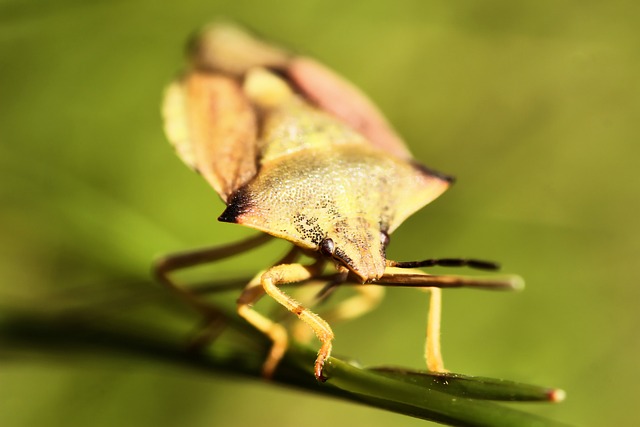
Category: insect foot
[323,355]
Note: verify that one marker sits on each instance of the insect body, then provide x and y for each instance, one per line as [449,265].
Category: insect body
[298,153]
[339,191]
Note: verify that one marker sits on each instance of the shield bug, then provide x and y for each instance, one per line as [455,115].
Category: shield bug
[300,154]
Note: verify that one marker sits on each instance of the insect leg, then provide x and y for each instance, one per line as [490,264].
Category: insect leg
[367,298]
[181,260]
[432,351]
[270,281]
[394,276]
[214,321]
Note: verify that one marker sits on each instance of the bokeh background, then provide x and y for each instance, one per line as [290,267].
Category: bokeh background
[533,105]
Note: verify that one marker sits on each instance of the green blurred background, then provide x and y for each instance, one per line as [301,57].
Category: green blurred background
[533,105]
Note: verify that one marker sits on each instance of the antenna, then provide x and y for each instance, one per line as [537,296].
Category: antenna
[447,262]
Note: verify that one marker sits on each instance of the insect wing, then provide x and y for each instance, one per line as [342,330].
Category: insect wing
[340,98]
[212,122]
[213,128]
[226,48]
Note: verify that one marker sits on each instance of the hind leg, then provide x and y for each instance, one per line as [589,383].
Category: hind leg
[214,321]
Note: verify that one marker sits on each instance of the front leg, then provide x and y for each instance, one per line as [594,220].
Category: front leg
[396,276]
[270,281]
[432,351]
[366,299]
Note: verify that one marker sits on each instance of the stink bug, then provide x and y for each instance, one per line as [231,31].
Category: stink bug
[298,153]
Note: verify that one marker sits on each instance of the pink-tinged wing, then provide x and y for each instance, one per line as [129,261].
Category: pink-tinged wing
[224,47]
[213,127]
[337,96]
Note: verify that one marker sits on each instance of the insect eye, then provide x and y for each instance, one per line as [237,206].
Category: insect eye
[327,247]
[385,239]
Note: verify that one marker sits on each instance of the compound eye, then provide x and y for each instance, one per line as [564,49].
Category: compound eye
[327,247]
[385,239]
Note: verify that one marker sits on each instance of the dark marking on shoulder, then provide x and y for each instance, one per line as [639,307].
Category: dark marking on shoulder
[428,171]
[238,204]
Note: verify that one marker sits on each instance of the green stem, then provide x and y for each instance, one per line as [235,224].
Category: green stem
[90,335]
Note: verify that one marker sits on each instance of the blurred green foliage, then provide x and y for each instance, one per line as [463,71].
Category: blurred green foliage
[533,105]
